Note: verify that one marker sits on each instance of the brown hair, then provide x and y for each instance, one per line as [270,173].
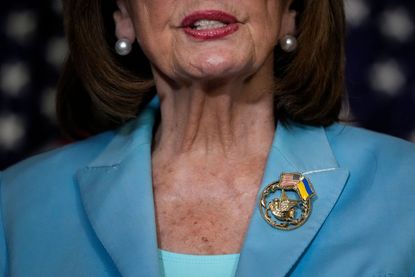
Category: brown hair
[99,90]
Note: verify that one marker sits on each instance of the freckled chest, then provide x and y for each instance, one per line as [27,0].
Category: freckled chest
[203,219]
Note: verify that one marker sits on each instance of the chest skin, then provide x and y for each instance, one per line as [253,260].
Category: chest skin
[205,211]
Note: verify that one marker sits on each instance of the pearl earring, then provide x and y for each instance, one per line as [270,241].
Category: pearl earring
[288,43]
[123,47]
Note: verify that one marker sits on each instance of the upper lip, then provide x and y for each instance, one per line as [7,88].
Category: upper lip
[216,15]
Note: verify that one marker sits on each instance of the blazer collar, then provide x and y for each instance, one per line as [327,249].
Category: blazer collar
[116,192]
[303,149]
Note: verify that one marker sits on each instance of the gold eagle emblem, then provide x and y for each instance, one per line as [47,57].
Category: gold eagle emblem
[287,212]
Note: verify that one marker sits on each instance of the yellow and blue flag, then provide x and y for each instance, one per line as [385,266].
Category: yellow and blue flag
[305,189]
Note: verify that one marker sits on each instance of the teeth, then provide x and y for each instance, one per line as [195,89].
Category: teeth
[205,24]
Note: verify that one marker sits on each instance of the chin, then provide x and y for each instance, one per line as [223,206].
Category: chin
[217,64]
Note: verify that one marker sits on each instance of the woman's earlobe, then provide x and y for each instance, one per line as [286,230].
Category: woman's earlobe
[290,23]
[123,24]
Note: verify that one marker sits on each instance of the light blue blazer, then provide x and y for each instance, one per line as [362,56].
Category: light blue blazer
[87,209]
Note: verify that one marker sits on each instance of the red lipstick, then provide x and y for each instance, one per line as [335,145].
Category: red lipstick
[209,25]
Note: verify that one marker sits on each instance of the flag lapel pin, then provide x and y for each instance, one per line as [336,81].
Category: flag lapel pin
[286,204]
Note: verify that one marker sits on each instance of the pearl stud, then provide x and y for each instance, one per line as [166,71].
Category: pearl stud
[288,43]
[123,47]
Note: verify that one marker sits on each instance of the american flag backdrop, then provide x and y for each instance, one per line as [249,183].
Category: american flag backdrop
[380,71]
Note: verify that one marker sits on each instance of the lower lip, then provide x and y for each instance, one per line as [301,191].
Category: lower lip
[211,34]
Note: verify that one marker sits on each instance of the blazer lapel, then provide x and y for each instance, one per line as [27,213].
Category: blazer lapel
[272,252]
[116,191]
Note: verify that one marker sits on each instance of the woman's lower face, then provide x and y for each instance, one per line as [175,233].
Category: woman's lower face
[189,40]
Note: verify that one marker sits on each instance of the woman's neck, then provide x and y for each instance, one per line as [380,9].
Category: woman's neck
[229,121]
[208,160]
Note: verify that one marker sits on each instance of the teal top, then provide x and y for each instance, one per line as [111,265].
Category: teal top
[184,265]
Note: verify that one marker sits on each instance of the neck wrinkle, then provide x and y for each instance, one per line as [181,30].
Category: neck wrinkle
[230,119]
[215,126]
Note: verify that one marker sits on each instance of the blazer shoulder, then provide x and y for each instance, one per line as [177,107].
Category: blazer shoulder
[373,156]
[356,140]
[57,162]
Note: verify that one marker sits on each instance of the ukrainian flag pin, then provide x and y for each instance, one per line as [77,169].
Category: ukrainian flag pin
[286,204]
